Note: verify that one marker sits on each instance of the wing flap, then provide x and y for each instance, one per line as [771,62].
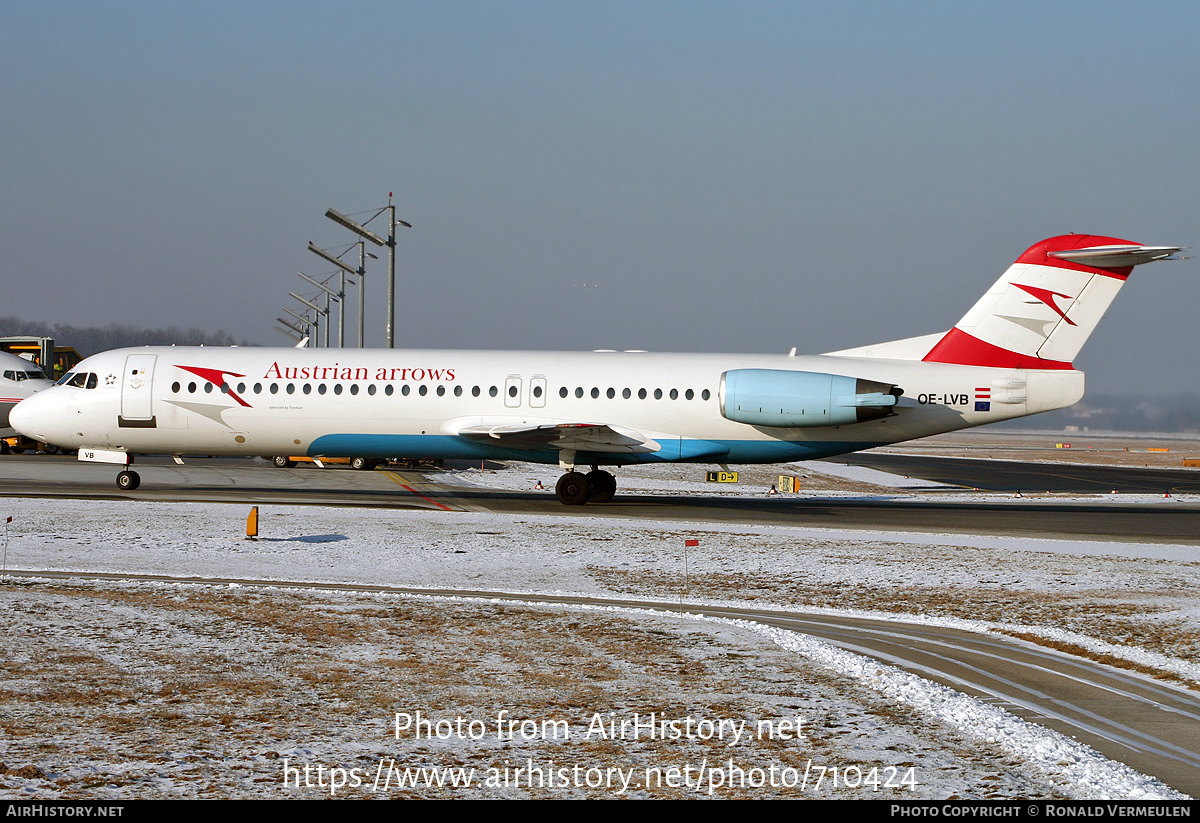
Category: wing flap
[580,437]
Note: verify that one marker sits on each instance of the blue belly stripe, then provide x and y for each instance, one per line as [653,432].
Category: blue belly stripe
[450,447]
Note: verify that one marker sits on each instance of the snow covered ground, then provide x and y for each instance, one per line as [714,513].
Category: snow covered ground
[155,690]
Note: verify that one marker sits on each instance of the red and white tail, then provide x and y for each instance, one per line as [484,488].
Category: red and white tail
[1040,313]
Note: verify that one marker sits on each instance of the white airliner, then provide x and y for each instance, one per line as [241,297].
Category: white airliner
[1009,356]
[19,378]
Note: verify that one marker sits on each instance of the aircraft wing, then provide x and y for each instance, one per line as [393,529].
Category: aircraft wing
[580,437]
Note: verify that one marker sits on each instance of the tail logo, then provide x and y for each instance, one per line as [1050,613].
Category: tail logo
[1046,296]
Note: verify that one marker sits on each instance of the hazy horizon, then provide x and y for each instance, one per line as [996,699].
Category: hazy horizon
[664,176]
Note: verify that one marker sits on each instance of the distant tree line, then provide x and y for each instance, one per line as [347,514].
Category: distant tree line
[88,340]
[1122,413]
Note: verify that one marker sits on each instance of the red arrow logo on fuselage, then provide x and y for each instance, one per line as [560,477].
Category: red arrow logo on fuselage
[216,377]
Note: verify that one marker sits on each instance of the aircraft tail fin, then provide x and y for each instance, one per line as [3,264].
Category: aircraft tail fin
[1041,311]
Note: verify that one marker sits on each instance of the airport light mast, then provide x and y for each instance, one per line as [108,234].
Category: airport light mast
[391,287]
[362,231]
[330,294]
[317,312]
[291,329]
[346,269]
[304,321]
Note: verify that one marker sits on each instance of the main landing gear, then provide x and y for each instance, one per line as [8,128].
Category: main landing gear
[576,488]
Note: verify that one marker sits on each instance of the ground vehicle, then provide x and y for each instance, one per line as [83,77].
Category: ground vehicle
[54,360]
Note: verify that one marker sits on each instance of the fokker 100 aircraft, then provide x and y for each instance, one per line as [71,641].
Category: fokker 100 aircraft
[1009,356]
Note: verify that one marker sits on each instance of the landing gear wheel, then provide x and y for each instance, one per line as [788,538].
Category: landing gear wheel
[603,484]
[128,481]
[361,463]
[573,489]
[282,462]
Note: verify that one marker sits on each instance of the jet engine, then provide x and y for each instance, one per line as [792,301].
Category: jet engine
[774,397]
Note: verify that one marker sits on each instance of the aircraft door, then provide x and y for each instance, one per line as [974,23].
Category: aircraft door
[512,391]
[136,384]
[537,392]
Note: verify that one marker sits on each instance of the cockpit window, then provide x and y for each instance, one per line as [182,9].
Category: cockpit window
[80,380]
[17,376]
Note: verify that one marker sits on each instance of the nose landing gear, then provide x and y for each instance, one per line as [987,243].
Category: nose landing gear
[128,480]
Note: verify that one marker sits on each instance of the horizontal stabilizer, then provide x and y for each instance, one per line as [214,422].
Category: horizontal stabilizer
[1116,257]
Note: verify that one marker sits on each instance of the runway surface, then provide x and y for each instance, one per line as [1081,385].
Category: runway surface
[1012,475]
[256,481]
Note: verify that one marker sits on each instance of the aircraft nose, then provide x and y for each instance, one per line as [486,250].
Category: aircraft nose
[24,416]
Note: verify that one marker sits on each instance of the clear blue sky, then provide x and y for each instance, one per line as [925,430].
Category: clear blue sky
[722,176]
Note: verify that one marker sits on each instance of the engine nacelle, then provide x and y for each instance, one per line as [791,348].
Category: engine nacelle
[774,397]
